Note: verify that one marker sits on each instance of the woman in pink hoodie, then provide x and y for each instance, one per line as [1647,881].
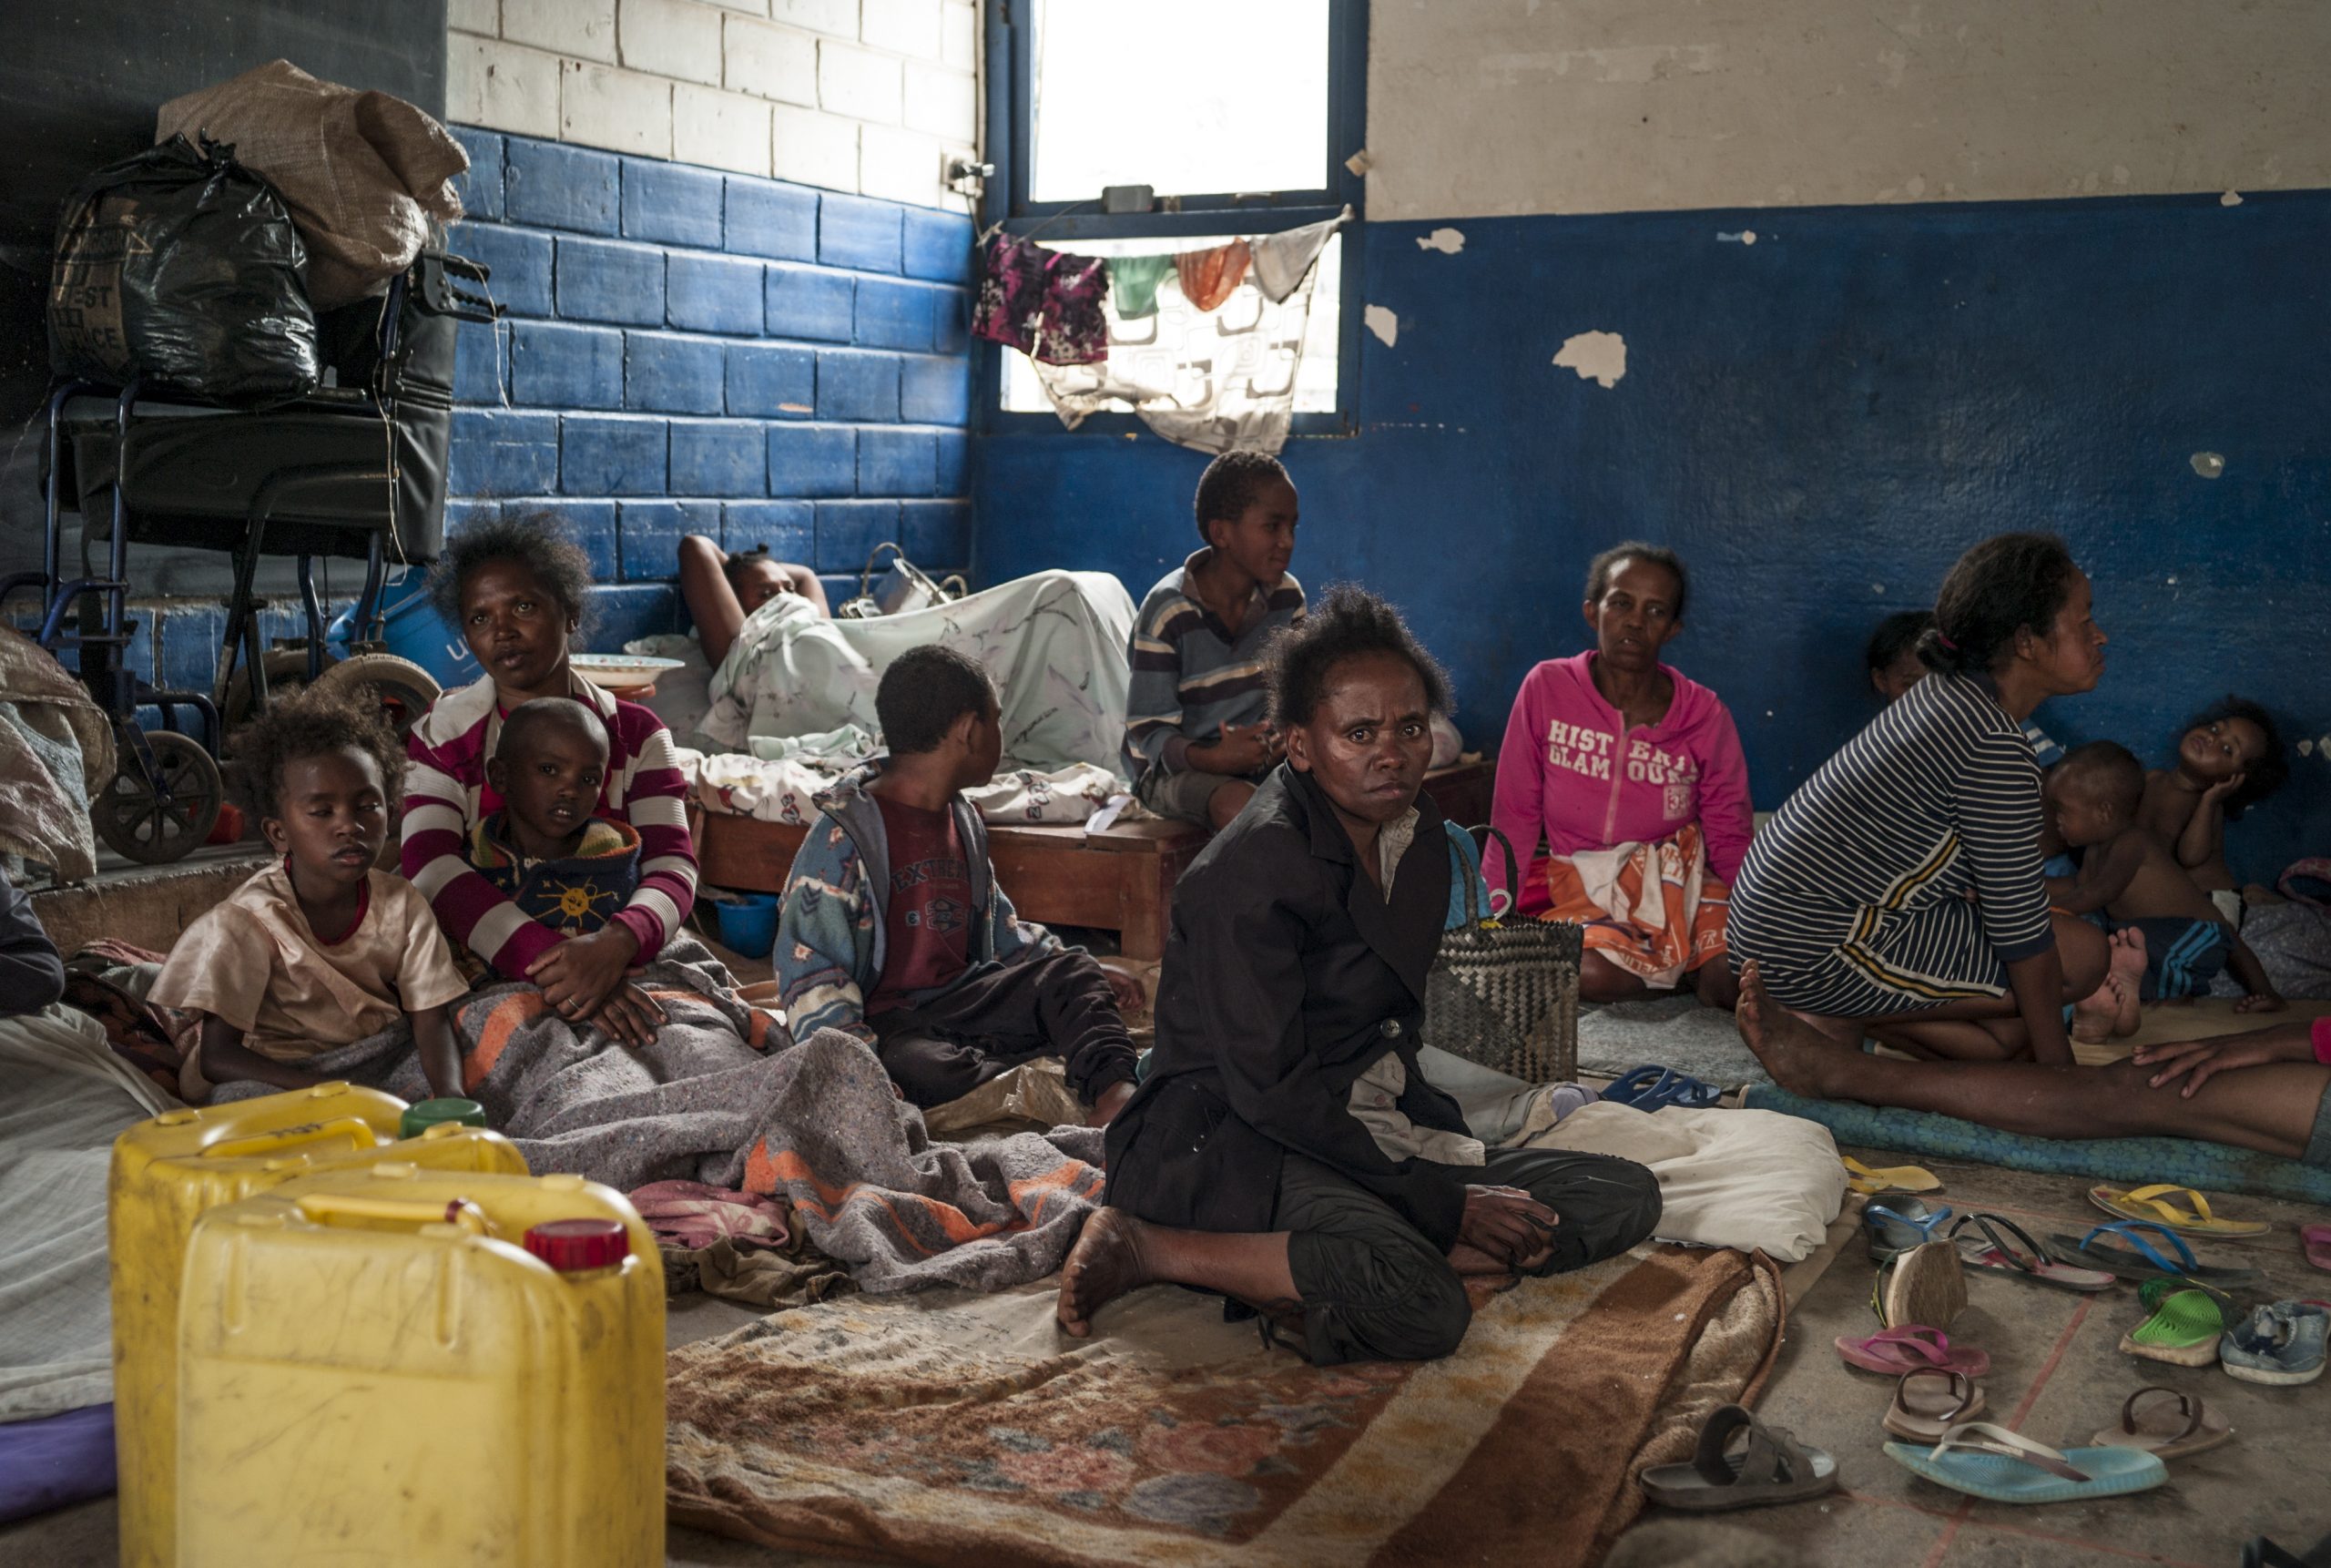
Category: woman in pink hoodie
[1623,781]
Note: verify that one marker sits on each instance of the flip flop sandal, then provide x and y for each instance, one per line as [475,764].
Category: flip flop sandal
[2170,1424]
[1923,1286]
[1894,1229]
[2316,1239]
[2141,1260]
[1773,1468]
[2183,1330]
[1652,1087]
[1890,1181]
[1931,1400]
[2006,1248]
[2149,1203]
[1912,1347]
[2261,1553]
[2001,1466]
[2281,1344]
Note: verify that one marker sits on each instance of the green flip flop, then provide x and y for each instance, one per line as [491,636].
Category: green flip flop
[2183,1330]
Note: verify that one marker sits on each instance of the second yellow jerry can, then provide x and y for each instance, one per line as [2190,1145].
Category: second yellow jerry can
[167,1172]
[411,1367]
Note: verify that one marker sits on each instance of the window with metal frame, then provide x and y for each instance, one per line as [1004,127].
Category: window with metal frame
[1239,116]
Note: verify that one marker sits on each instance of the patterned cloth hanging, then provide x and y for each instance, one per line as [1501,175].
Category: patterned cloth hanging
[1209,276]
[1045,303]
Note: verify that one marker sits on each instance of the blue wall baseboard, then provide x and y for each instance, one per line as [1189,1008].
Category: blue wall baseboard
[1820,421]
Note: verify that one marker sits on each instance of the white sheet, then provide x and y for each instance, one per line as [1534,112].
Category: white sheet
[64,1096]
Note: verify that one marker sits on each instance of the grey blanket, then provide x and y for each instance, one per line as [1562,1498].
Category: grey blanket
[725,1096]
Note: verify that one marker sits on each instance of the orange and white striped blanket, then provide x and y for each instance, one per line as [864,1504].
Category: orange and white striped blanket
[1651,908]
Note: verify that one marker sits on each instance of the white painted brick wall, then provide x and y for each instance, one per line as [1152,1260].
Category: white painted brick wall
[773,62]
[866,95]
[720,130]
[814,148]
[860,82]
[475,17]
[941,102]
[677,38]
[959,36]
[500,85]
[837,17]
[579,29]
[622,111]
[908,28]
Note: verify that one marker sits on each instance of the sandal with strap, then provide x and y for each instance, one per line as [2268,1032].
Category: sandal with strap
[2001,1466]
[1890,1181]
[2006,1248]
[1773,1468]
[1911,1348]
[2317,1241]
[2141,1259]
[1652,1087]
[1895,1228]
[1922,1412]
[2183,1330]
[2171,1424]
[2149,1203]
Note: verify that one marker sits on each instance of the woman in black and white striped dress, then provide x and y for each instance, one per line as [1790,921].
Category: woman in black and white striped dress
[1899,890]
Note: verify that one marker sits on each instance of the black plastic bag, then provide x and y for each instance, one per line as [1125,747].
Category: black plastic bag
[181,266]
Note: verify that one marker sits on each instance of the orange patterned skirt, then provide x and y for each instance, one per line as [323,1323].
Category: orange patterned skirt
[1651,908]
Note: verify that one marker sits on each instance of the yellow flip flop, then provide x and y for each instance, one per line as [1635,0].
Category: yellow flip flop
[1889,1180]
[2150,1203]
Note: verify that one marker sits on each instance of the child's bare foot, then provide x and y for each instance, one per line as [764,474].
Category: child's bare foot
[2124,955]
[2096,1015]
[1800,1058]
[1105,1263]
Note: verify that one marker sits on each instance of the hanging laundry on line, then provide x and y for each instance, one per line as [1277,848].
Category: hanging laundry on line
[1132,282]
[1208,277]
[1045,303]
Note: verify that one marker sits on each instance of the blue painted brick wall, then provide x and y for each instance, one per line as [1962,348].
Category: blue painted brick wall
[692,352]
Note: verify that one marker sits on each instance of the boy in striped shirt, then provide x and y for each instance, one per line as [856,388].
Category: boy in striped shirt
[1197,735]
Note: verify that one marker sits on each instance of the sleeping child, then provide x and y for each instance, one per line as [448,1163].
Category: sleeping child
[2132,878]
[2229,759]
[318,949]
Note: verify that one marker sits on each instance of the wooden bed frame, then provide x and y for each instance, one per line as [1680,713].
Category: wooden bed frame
[1120,879]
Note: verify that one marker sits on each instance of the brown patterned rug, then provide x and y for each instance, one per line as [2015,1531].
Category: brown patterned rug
[963,1429]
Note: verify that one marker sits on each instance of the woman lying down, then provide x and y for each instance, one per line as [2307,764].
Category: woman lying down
[1286,1148]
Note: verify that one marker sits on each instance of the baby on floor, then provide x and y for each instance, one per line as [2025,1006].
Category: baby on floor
[2151,903]
[2229,759]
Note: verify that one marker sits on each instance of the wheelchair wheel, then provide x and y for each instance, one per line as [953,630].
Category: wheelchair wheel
[403,689]
[155,827]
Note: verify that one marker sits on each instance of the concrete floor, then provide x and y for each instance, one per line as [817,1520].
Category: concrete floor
[2057,1375]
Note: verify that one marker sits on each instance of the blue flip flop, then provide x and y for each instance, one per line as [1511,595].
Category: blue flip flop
[1893,1230]
[2141,1259]
[2001,1466]
[1652,1087]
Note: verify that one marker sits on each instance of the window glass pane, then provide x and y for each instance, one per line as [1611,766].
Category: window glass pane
[1315,378]
[1198,98]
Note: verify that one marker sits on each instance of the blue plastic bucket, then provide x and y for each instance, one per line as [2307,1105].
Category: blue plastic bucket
[748,924]
[411,628]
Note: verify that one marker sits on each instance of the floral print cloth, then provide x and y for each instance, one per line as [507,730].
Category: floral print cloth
[1045,303]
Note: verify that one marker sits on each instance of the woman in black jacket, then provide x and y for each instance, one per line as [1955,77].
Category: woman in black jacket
[1285,1149]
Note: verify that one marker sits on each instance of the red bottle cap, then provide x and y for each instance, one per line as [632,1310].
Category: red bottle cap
[572,1245]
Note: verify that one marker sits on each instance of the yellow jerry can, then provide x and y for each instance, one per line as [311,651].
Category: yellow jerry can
[166,1171]
[414,1367]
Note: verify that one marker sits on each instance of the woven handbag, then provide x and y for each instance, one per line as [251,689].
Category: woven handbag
[1505,995]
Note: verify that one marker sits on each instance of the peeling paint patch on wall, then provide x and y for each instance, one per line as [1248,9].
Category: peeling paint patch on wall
[1380,321]
[1740,236]
[1447,241]
[1600,357]
[2208,464]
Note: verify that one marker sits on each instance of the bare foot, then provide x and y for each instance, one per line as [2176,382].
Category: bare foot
[2095,1017]
[1799,1057]
[2131,1017]
[2124,955]
[1105,1263]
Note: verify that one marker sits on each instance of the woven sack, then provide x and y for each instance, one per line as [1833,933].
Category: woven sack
[1505,995]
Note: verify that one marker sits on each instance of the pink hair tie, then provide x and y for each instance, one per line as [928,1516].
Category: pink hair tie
[2319,1036]
[1944,638]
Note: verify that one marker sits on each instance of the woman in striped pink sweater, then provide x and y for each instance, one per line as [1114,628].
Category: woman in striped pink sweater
[517,589]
